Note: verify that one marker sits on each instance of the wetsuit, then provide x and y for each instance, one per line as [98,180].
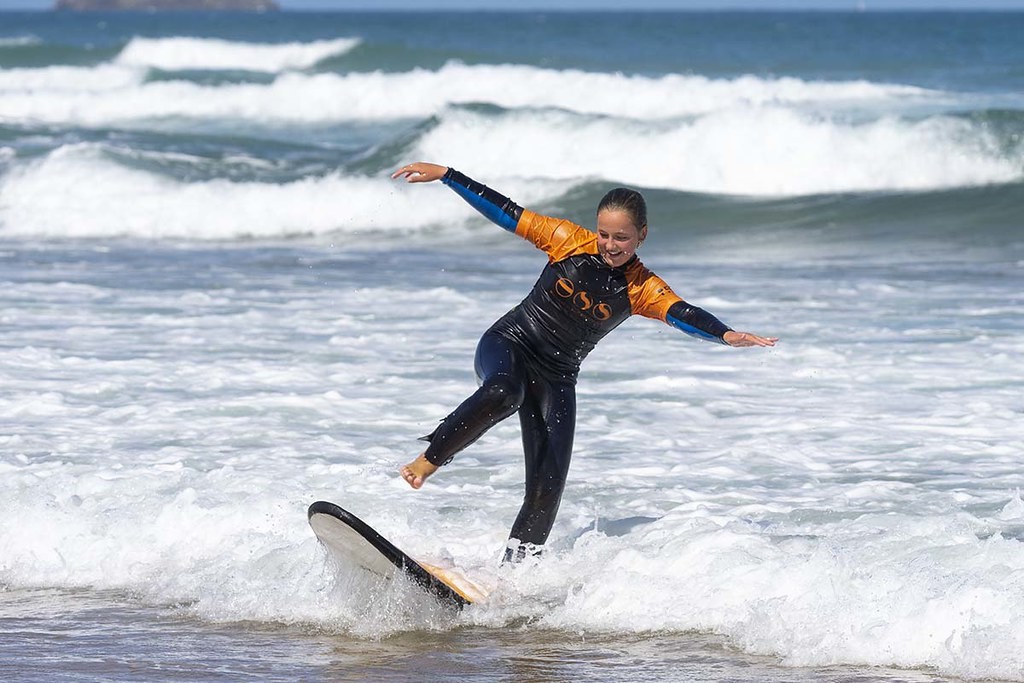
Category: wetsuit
[527,362]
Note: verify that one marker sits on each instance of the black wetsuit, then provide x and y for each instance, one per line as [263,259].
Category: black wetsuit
[527,362]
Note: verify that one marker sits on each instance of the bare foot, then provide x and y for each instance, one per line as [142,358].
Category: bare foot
[417,471]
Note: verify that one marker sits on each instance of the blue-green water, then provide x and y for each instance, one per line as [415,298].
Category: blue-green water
[216,307]
[749,105]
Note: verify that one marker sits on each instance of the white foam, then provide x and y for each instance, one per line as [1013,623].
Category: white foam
[181,53]
[65,83]
[170,410]
[644,97]
[873,590]
[154,206]
[326,97]
[757,151]
[745,136]
[716,155]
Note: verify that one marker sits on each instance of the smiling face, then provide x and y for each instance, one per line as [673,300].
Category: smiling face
[617,236]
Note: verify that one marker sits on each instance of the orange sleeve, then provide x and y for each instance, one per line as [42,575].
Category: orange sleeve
[556,237]
[648,293]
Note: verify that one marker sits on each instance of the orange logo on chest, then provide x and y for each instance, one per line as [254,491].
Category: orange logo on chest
[566,289]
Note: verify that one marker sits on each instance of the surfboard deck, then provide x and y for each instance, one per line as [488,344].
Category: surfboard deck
[350,539]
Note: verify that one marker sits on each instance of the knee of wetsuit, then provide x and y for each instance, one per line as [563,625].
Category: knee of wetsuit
[503,394]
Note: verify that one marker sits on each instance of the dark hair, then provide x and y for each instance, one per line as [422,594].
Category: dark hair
[630,201]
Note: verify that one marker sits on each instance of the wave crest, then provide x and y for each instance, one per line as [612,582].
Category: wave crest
[182,53]
[373,96]
[150,206]
[755,151]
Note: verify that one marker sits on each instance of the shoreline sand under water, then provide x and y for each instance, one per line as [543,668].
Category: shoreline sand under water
[82,635]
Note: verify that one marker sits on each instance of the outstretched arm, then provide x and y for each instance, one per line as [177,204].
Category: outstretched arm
[495,206]
[652,298]
[697,322]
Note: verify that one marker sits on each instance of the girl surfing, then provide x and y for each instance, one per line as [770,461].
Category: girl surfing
[528,361]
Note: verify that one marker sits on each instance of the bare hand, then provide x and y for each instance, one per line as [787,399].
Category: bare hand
[420,172]
[740,339]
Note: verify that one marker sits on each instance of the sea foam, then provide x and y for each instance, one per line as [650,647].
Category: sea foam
[745,136]
[182,53]
[169,423]
[149,205]
[719,154]
[72,83]
[766,151]
[323,97]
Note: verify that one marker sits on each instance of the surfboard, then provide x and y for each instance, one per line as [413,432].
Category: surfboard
[353,541]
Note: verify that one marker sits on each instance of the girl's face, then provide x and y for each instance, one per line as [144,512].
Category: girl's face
[617,237]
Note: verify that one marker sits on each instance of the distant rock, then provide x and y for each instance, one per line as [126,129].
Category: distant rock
[152,5]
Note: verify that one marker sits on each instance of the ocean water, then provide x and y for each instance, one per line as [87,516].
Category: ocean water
[216,308]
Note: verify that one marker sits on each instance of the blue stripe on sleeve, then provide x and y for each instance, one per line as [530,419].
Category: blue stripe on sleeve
[691,330]
[492,212]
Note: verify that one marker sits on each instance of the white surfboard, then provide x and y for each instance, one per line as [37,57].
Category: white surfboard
[353,540]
